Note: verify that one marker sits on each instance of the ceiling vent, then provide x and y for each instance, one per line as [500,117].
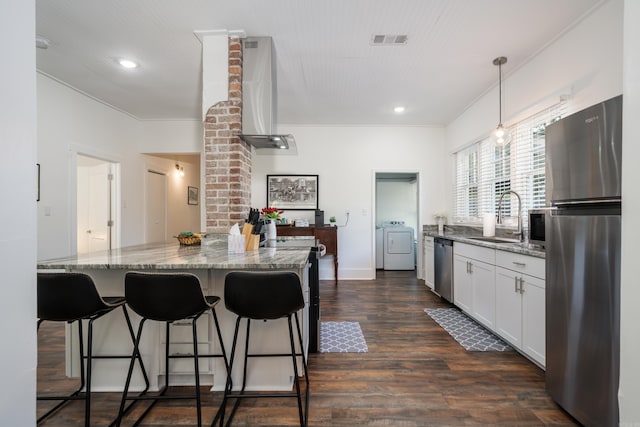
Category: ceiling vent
[389,39]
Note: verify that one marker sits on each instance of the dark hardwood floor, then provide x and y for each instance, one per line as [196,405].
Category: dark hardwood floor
[414,374]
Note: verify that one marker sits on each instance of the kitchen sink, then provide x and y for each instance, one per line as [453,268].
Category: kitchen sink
[496,240]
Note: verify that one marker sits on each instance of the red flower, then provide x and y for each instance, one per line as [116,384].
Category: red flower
[271,212]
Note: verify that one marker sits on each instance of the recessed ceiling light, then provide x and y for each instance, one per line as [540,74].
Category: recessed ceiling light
[399,110]
[127,63]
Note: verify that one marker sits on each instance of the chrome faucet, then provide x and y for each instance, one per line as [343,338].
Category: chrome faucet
[520,232]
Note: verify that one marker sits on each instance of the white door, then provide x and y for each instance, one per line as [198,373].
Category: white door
[156,207]
[94,204]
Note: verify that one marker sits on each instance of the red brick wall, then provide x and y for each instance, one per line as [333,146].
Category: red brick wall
[227,157]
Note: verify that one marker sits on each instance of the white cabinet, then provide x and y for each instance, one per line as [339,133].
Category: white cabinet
[428,261]
[474,282]
[462,294]
[520,303]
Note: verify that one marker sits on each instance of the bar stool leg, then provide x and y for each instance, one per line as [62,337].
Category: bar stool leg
[133,340]
[135,355]
[87,402]
[303,417]
[306,372]
[228,385]
[197,371]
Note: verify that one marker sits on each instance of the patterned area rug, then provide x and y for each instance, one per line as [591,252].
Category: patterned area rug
[467,332]
[342,337]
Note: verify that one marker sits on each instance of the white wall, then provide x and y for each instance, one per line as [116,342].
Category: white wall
[171,136]
[397,201]
[585,62]
[18,214]
[346,159]
[180,215]
[70,123]
[629,394]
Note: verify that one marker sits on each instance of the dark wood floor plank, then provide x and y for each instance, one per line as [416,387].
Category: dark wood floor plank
[414,374]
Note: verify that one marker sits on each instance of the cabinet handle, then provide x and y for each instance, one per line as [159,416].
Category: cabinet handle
[470,267]
[516,280]
[521,287]
[519,264]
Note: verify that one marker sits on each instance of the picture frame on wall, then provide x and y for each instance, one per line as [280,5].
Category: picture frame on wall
[192,195]
[292,192]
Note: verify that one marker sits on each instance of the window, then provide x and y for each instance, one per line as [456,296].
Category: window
[485,171]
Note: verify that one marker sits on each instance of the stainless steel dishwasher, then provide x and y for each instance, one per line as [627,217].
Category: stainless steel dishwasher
[443,260]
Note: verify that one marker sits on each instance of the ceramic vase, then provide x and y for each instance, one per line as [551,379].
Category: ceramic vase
[270,233]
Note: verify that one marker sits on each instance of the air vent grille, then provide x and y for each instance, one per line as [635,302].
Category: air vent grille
[251,44]
[389,39]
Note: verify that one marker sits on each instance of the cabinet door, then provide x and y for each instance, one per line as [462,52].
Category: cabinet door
[428,262]
[508,306]
[483,291]
[533,318]
[462,295]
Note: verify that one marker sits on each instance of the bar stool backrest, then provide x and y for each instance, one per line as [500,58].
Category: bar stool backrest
[165,297]
[67,296]
[263,295]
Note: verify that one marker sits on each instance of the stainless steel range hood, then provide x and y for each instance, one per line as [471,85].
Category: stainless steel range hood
[259,99]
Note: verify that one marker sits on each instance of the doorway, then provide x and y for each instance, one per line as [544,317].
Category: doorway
[396,220]
[156,207]
[96,203]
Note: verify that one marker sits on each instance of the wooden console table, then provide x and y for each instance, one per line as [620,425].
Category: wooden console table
[327,235]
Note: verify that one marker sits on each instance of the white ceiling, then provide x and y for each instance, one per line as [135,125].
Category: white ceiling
[327,70]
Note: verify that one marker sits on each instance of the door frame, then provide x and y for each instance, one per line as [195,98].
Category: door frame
[116,196]
[374,202]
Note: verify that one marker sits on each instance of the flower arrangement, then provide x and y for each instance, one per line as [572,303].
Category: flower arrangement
[271,213]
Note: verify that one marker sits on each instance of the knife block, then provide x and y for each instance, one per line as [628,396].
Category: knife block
[252,241]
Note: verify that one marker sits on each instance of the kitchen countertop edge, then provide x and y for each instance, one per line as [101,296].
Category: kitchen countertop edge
[515,247]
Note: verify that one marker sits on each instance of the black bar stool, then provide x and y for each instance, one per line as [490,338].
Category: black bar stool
[265,296]
[70,297]
[169,297]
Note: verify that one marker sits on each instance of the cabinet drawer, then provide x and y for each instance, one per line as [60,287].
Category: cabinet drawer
[525,264]
[475,252]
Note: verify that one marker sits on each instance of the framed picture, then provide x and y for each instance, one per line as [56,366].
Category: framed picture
[292,192]
[192,195]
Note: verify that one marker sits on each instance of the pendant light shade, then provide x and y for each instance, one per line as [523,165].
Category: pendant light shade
[501,134]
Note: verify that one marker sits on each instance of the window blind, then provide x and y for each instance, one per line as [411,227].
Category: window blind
[484,171]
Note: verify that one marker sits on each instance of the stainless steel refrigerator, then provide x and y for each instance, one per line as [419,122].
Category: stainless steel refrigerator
[583,182]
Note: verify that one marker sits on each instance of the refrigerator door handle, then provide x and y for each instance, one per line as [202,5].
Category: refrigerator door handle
[585,202]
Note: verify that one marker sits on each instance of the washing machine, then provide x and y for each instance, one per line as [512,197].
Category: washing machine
[398,246]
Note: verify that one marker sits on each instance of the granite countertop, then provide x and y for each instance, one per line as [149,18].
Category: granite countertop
[212,254]
[467,235]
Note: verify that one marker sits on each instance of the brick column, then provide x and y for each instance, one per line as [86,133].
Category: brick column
[227,157]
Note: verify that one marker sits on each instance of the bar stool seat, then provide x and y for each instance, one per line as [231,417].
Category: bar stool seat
[71,297]
[169,297]
[265,296]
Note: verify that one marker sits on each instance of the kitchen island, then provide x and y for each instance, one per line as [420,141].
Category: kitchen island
[210,262]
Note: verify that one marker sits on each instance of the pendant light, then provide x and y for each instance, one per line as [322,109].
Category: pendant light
[501,135]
